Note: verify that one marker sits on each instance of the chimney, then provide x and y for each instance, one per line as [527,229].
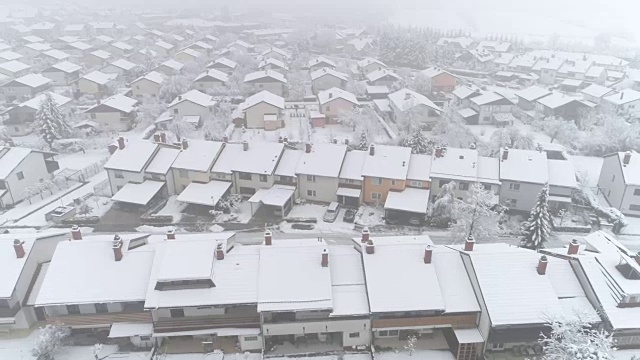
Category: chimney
[505,154]
[330,95]
[346,141]
[163,138]
[428,254]
[75,233]
[407,96]
[334,141]
[268,238]
[171,234]
[325,258]
[574,246]
[98,102]
[117,247]
[307,148]
[120,143]
[365,235]
[219,252]
[225,139]
[245,145]
[627,158]
[469,243]
[472,146]
[112,148]
[370,248]
[185,144]
[438,152]
[285,139]
[542,265]
[18,247]
[372,149]
[179,97]
[156,138]
[280,139]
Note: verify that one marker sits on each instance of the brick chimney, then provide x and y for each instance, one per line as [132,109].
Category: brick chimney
[574,246]
[156,138]
[542,265]
[185,144]
[365,235]
[117,247]
[268,238]
[219,252]
[171,234]
[75,233]
[370,248]
[163,138]
[225,139]
[469,243]
[428,254]
[325,258]
[18,247]
[121,143]
[372,149]
[626,159]
[307,148]
[245,145]
[505,154]
[438,152]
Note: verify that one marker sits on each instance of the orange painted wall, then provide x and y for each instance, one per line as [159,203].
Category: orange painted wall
[384,188]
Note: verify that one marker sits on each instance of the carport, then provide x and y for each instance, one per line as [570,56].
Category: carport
[278,199]
[207,194]
[139,194]
[349,196]
[404,206]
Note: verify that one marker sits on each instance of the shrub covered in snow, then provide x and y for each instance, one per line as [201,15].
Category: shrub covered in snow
[50,339]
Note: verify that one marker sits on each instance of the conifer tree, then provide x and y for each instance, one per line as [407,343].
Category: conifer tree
[418,142]
[49,119]
[537,229]
[363,143]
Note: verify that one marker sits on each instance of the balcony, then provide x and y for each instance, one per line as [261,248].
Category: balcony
[466,320]
[100,320]
[190,323]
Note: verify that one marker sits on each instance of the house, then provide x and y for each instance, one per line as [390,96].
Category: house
[192,103]
[9,56]
[21,168]
[192,169]
[319,63]
[408,103]
[462,95]
[103,28]
[445,307]
[383,77]
[439,80]
[285,173]
[115,113]
[487,106]
[377,92]
[63,73]
[123,69]
[241,46]
[78,49]
[456,43]
[273,64]
[275,53]
[268,80]
[143,56]
[527,97]
[209,39]
[147,85]
[327,78]
[170,67]
[96,83]
[620,181]
[223,64]
[163,48]
[96,58]
[318,170]
[263,111]
[350,178]
[558,104]
[626,102]
[14,69]
[368,65]
[359,46]
[211,79]
[385,169]
[334,101]
[596,75]
[21,118]
[24,258]
[502,60]
[523,173]
[119,48]
[75,29]
[33,51]
[25,87]
[495,46]
[189,55]
[596,92]
[53,56]
[549,68]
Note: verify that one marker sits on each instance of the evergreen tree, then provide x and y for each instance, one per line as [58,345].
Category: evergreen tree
[418,142]
[363,143]
[538,228]
[52,124]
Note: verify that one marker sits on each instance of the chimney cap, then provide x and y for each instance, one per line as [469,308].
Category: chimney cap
[17,242]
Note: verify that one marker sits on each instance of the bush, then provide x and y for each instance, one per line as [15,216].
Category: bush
[82,220]
[157,219]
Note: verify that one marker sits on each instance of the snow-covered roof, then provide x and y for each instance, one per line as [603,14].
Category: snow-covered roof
[39,46]
[264,74]
[291,278]
[138,193]
[352,165]
[328,71]
[198,156]
[34,102]
[162,161]
[419,167]
[623,97]
[276,50]
[487,98]
[348,287]
[456,164]
[122,46]
[594,71]
[488,170]
[273,62]
[67,67]
[123,64]
[368,61]
[152,76]
[117,102]
[504,58]
[360,43]
[388,162]
[462,92]
[101,54]
[550,64]
[191,52]
[321,60]
[467,113]
[9,55]
[463,41]
[86,272]
[226,62]
[323,160]
[10,265]
[562,173]
[631,172]
[410,200]
[277,195]
[434,71]
[377,89]
[32,39]
[195,97]
[163,44]
[288,163]
[173,64]
[241,43]
[406,99]
[135,155]
[207,194]
[80,45]
[74,27]
[213,73]
[571,82]
[555,100]
[120,329]
[33,80]
[532,93]
[57,54]
[263,96]
[524,165]
[597,90]
[14,66]
[335,93]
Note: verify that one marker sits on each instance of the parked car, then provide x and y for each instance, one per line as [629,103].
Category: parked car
[349,216]
[332,212]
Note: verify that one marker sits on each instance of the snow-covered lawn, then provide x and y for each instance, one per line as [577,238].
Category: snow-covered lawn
[174,208]
[370,215]
[99,205]
[79,160]
[482,132]
[240,215]
[633,227]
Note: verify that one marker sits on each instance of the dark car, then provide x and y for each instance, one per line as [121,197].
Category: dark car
[349,216]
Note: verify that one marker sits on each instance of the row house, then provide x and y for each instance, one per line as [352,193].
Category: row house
[124,69]
[595,93]
[192,103]
[25,87]
[268,80]
[96,83]
[559,104]
[319,63]
[193,166]
[21,168]
[318,170]
[115,113]
[223,64]
[211,79]
[383,77]
[21,118]
[406,103]
[327,78]
[350,179]
[189,55]
[384,170]
[619,181]
[625,102]
[62,73]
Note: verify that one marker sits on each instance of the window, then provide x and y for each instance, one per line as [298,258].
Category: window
[354,335]
[73,309]
[487,187]
[348,181]
[636,192]
[311,178]
[93,115]
[101,308]
[263,178]
[17,129]
[634,207]
[514,187]
[311,193]
[511,203]
[184,173]
[20,175]
[376,181]
[244,176]
[260,86]
[393,183]
[442,183]
[250,338]
[376,196]
[416,183]
[145,338]
[176,313]
[497,346]
[613,178]
[175,111]
[118,175]
[394,332]
[463,186]
[286,178]
[327,108]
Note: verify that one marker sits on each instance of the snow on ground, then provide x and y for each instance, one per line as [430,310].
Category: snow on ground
[81,160]
[633,228]
[241,215]
[294,129]
[626,354]
[174,208]
[317,211]
[370,215]
[417,354]
[537,136]
[25,207]
[482,132]
[99,205]
[148,229]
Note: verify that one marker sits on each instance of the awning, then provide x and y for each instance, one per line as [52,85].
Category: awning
[277,195]
[204,194]
[562,199]
[139,194]
[468,336]
[119,330]
[348,192]
[467,113]
[409,200]
[219,332]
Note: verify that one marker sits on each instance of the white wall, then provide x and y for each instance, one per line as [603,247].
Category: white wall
[272,87]
[255,114]
[181,183]
[327,82]
[306,327]
[145,87]
[484,323]
[325,188]
[248,345]
[254,183]
[112,121]
[630,199]
[364,338]
[525,197]
[189,108]
[128,176]
[611,181]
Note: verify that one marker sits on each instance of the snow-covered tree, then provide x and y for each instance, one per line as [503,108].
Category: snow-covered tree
[442,209]
[180,128]
[537,229]
[363,141]
[51,122]
[411,344]
[512,138]
[572,338]
[565,131]
[476,215]
[174,86]
[229,203]
[419,143]
[49,340]
[615,134]
[349,118]
[148,111]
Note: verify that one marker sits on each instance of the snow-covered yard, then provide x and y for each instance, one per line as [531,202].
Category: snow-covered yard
[98,206]
[80,160]
[240,215]
[370,215]
[174,208]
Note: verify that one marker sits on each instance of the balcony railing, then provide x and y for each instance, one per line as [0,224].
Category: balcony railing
[204,322]
[453,320]
[96,320]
